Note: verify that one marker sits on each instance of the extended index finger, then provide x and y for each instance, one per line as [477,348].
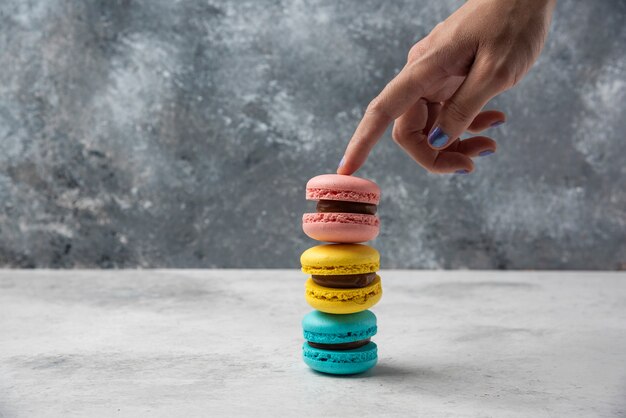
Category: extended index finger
[395,99]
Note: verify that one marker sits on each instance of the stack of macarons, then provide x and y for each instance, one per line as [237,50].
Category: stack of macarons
[342,283]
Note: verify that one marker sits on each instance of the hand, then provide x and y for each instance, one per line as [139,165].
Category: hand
[481,50]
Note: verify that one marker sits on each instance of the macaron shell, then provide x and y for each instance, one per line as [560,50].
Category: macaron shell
[332,259]
[340,227]
[341,362]
[324,328]
[342,301]
[345,188]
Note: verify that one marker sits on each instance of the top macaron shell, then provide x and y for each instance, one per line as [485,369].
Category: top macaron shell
[323,328]
[333,259]
[344,188]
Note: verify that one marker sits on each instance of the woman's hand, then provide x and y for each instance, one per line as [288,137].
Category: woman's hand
[481,50]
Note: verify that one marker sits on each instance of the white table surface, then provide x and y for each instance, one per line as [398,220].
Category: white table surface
[184,343]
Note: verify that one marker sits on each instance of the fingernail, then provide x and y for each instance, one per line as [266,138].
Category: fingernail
[497,123]
[343,160]
[485,153]
[461,172]
[438,138]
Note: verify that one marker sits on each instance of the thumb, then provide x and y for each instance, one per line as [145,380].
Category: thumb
[459,111]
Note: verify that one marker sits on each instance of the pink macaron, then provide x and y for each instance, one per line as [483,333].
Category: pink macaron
[346,209]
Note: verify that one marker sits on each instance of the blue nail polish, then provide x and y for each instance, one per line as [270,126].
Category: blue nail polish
[485,153]
[343,160]
[461,172]
[438,138]
[497,123]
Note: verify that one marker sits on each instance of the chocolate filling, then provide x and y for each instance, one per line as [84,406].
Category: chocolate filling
[346,207]
[345,281]
[345,346]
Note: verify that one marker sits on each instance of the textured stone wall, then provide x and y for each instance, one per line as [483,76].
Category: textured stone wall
[164,133]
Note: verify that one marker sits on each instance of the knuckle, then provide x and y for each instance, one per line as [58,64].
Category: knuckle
[376,107]
[457,112]
[414,53]
[502,74]
[398,135]
[437,29]
[419,49]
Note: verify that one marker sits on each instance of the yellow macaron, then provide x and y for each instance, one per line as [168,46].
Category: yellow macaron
[357,263]
[343,301]
[334,259]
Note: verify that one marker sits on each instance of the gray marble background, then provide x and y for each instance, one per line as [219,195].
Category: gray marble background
[181,134]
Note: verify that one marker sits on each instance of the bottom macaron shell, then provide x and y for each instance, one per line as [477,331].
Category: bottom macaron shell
[342,301]
[343,233]
[341,362]
[324,328]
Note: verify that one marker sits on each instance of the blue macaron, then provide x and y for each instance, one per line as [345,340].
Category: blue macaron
[339,344]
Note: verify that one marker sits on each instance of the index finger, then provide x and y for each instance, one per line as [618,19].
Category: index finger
[395,99]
